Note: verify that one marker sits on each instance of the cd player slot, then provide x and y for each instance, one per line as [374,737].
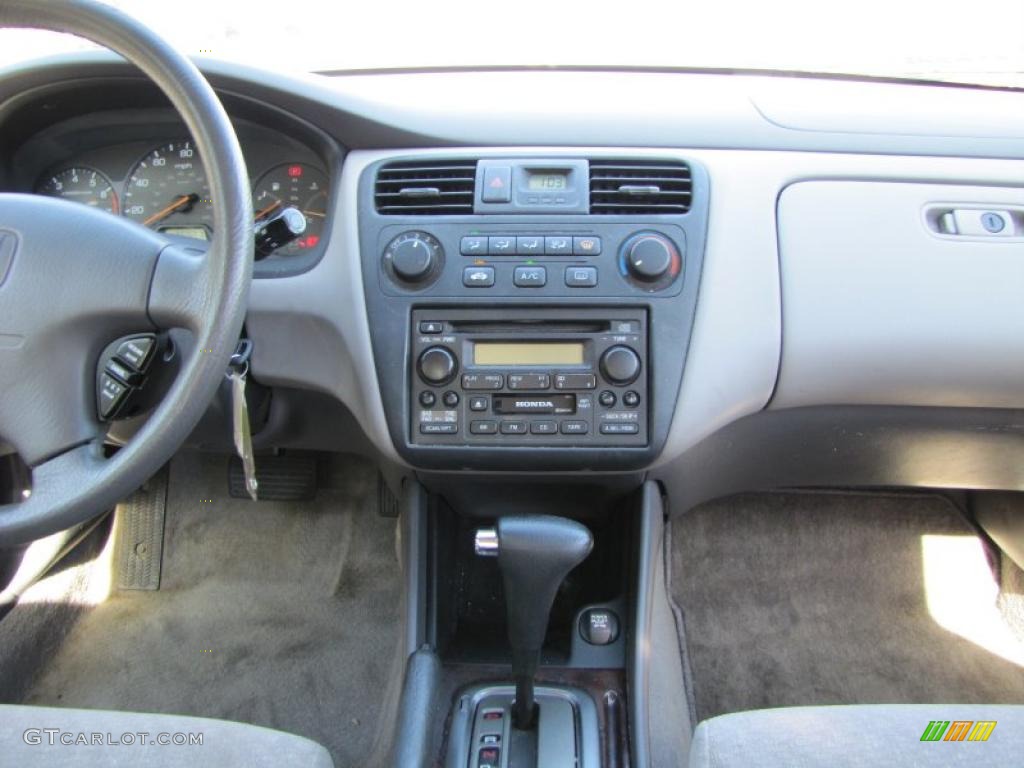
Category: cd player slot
[518,326]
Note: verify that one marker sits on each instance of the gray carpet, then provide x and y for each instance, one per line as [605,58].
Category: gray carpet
[278,614]
[802,599]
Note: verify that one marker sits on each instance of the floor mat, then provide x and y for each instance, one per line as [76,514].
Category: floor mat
[278,614]
[802,599]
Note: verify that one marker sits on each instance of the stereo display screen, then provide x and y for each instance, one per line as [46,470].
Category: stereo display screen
[518,353]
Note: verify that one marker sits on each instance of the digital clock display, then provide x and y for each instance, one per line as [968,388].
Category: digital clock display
[548,181]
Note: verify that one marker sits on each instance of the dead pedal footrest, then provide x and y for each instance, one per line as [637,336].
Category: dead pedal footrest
[279,478]
[140,535]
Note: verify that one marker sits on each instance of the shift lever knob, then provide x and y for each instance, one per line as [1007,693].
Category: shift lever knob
[535,554]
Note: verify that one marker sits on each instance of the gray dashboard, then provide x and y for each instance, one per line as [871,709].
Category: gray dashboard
[816,247]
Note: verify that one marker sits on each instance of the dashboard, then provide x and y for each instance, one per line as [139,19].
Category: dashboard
[794,323]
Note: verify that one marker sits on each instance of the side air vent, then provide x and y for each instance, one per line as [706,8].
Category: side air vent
[639,186]
[423,188]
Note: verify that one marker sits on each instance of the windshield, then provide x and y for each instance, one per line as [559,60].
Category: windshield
[979,42]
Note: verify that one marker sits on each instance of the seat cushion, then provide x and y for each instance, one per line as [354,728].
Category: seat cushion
[870,735]
[38,736]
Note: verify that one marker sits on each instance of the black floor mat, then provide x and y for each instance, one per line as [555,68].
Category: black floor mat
[279,614]
[802,599]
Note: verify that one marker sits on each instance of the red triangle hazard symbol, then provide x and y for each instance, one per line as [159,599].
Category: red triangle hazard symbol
[497,183]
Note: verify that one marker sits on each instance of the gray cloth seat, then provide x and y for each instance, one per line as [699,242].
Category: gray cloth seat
[868,735]
[26,734]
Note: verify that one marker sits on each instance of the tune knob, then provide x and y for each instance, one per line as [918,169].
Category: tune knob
[437,366]
[413,256]
[650,256]
[620,365]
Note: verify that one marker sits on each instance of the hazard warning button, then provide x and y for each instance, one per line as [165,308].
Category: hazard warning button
[497,184]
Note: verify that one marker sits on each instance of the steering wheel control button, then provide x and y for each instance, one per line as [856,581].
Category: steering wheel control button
[111,395]
[607,398]
[437,366]
[483,381]
[620,365]
[575,381]
[450,399]
[581,277]
[136,352]
[483,427]
[473,245]
[427,399]
[599,626]
[586,246]
[631,399]
[530,277]
[130,377]
[501,246]
[497,187]
[529,246]
[478,277]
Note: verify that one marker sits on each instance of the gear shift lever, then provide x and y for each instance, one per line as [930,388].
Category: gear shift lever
[535,555]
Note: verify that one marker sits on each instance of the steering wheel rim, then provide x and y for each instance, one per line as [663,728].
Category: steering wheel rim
[206,294]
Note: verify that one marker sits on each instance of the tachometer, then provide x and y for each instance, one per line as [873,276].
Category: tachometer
[299,185]
[167,191]
[83,185]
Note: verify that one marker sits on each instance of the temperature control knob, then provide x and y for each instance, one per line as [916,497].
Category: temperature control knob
[437,366]
[620,365]
[413,256]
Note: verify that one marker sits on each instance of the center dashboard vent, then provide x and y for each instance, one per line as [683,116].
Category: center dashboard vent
[639,187]
[423,188]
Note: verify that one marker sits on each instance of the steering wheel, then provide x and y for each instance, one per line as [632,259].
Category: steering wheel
[74,279]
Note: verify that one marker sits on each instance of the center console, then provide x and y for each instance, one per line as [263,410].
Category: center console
[531,312]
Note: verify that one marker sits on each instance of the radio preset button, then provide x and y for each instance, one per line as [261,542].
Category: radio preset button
[513,427]
[501,246]
[581,277]
[529,381]
[528,246]
[620,428]
[439,429]
[575,381]
[478,403]
[575,427]
[483,427]
[558,245]
[427,399]
[530,277]
[631,399]
[482,381]
[543,427]
[473,245]
[478,277]
[586,246]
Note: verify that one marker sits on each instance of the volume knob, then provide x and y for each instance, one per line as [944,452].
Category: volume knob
[620,365]
[437,366]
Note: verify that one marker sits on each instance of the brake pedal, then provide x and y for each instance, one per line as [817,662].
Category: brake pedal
[289,477]
[139,522]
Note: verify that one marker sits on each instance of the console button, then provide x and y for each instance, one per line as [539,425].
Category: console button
[490,757]
[482,381]
[606,398]
[543,427]
[619,428]
[529,381]
[490,738]
[478,403]
[497,184]
[501,246]
[439,429]
[473,245]
[530,277]
[450,399]
[586,246]
[431,327]
[483,427]
[478,277]
[135,352]
[581,277]
[427,399]
[575,381]
[558,244]
[599,626]
[111,395]
[575,427]
[528,246]
[513,427]
[631,399]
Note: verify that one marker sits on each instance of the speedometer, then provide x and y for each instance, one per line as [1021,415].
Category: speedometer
[83,185]
[167,191]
